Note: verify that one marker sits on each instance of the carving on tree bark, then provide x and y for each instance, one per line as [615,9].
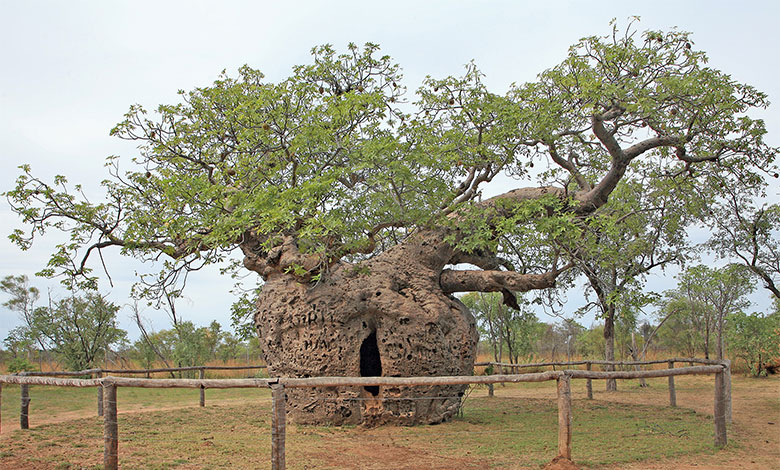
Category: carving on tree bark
[318,330]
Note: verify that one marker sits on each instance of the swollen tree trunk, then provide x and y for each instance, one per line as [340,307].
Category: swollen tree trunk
[387,316]
[391,315]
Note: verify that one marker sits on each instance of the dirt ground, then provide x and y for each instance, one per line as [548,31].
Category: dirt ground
[755,427]
[755,431]
[754,434]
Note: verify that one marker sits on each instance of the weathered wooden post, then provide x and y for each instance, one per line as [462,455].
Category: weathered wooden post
[720,409]
[564,416]
[110,428]
[99,395]
[278,426]
[491,387]
[202,375]
[589,382]
[1,408]
[672,391]
[24,421]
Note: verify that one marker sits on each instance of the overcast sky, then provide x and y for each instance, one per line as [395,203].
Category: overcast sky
[71,70]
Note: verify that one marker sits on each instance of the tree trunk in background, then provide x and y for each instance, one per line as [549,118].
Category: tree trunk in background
[609,345]
[635,356]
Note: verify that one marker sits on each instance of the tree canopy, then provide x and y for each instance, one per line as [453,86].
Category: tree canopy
[338,163]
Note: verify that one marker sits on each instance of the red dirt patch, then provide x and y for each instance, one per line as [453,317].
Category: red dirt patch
[560,463]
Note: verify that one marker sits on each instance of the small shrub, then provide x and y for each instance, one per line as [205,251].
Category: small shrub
[19,364]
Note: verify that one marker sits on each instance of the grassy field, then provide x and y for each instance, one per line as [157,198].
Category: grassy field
[165,429]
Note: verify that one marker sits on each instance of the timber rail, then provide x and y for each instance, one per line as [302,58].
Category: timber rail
[109,385]
[503,366]
[97,373]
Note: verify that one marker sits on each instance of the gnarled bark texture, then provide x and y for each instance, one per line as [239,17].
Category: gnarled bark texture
[387,316]
[391,315]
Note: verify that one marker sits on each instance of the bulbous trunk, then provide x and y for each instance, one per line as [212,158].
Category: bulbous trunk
[387,316]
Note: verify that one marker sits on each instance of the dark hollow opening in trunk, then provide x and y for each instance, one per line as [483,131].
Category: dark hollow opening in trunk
[370,363]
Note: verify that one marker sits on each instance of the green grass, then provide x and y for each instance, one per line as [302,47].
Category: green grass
[499,432]
[51,401]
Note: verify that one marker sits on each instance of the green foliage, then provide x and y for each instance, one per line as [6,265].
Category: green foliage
[80,329]
[20,341]
[684,330]
[504,327]
[186,344]
[190,345]
[242,314]
[144,353]
[591,343]
[336,160]
[77,328]
[755,339]
[750,235]
[19,364]
[23,296]
[702,303]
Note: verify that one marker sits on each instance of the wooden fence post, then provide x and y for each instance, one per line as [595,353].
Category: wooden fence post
[99,395]
[202,375]
[110,428]
[278,425]
[1,408]
[564,417]
[720,410]
[24,421]
[490,390]
[589,382]
[672,391]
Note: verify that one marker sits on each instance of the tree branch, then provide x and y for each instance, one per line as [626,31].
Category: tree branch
[452,281]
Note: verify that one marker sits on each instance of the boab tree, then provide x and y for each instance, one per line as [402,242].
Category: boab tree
[362,210]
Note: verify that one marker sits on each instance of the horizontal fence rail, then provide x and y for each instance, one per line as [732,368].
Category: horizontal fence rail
[689,360]
[134,371]
[109,384]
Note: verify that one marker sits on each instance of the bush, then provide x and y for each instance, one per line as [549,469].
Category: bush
[19,364]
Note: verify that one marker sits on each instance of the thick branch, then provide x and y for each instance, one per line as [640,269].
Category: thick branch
[452,281]
[524,194]
[481,260]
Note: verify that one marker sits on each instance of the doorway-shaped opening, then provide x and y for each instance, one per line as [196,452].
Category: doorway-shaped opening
[370,363]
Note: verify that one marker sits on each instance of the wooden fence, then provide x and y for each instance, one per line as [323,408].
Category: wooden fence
[502,366]
[97,373]
[278,386]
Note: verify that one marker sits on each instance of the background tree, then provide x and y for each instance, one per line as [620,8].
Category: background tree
[80,328]
[21,349]
[699,307]
[750,235]
[719,292]
[640,229]
[487,312]
[502,326]
[688,324]
[22,300]
[559,338]
[590,343]
[755,339]
[346,198]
